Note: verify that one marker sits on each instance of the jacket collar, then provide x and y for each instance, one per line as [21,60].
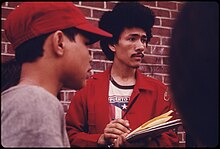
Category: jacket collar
[141,79]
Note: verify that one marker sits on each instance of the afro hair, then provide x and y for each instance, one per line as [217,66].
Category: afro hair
[125,15]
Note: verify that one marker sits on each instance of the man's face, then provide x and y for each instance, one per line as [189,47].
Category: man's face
[77,62]
[130,47]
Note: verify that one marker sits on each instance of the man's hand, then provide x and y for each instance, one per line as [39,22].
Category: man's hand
[114,133]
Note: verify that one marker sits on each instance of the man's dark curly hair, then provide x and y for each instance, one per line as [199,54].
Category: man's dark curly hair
[125,15]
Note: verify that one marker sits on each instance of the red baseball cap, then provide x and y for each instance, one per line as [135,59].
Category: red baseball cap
[32,19]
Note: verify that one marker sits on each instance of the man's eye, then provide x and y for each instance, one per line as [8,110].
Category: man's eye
[143,40]
[131,39]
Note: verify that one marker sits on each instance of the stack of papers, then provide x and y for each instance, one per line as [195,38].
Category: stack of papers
[154,127]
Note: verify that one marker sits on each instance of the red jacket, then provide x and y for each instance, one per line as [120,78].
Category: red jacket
[88,113]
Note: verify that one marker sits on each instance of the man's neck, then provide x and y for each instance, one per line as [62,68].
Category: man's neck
[123,75]
[39,77]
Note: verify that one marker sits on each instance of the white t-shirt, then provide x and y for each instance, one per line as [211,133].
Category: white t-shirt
[118,99]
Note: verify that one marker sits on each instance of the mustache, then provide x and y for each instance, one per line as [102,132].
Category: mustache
[139,54]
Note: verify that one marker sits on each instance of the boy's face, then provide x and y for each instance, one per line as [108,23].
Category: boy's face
[77,63]
[130,47]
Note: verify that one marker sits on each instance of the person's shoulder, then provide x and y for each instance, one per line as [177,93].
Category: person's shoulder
[27,97]
[14,92]
[26,93]
[152,82]
[18,97]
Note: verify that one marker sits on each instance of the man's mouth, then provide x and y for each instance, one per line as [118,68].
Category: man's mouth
[141,55]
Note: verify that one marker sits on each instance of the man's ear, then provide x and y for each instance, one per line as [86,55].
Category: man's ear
[58,43]
[112,47]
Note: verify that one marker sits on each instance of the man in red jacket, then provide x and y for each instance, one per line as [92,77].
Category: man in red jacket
[121,97]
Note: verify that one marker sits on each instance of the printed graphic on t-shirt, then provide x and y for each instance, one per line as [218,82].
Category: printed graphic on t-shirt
[119,101]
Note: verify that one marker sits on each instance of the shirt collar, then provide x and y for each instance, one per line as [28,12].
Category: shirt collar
[142,82]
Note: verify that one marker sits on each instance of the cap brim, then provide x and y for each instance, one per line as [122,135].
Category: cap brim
[95,32]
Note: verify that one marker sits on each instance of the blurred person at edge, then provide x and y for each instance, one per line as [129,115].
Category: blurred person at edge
[194,71]
[121,96]
[50,41]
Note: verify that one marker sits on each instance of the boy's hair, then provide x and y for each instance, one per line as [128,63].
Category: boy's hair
[125,15]
[32,49]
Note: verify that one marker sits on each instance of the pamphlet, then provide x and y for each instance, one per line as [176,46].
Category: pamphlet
[154,127]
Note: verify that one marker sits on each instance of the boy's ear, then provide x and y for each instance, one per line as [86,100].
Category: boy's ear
[111,47]
[58,43]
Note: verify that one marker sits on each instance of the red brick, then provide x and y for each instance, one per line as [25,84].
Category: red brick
[93,4]
[5,58]
[182,137]
[61,96]
[161,13]
[180,5]
[167,22]
[99,55]
[108,65]
[156,50]
[98,65]
[148,50]
[165,41]
[173,14]
[157,77]
[3,49]
[3,4]
[167,79]
[3,36]
[155,40]
[10,49]
[95,45]
[5,12]
[166,60]
[2,22]
[94,22]
[66,96]
[161,31]
[65,107]
[159,69]
[110,5]
[151,60]
[168,5]
[13,4]
[86,11]
[150,3]
[157,21]
[97,13]
[144,68]
[69,96]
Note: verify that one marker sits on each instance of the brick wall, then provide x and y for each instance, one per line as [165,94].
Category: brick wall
[155,62]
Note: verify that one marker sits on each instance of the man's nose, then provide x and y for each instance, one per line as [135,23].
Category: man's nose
[140,46]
